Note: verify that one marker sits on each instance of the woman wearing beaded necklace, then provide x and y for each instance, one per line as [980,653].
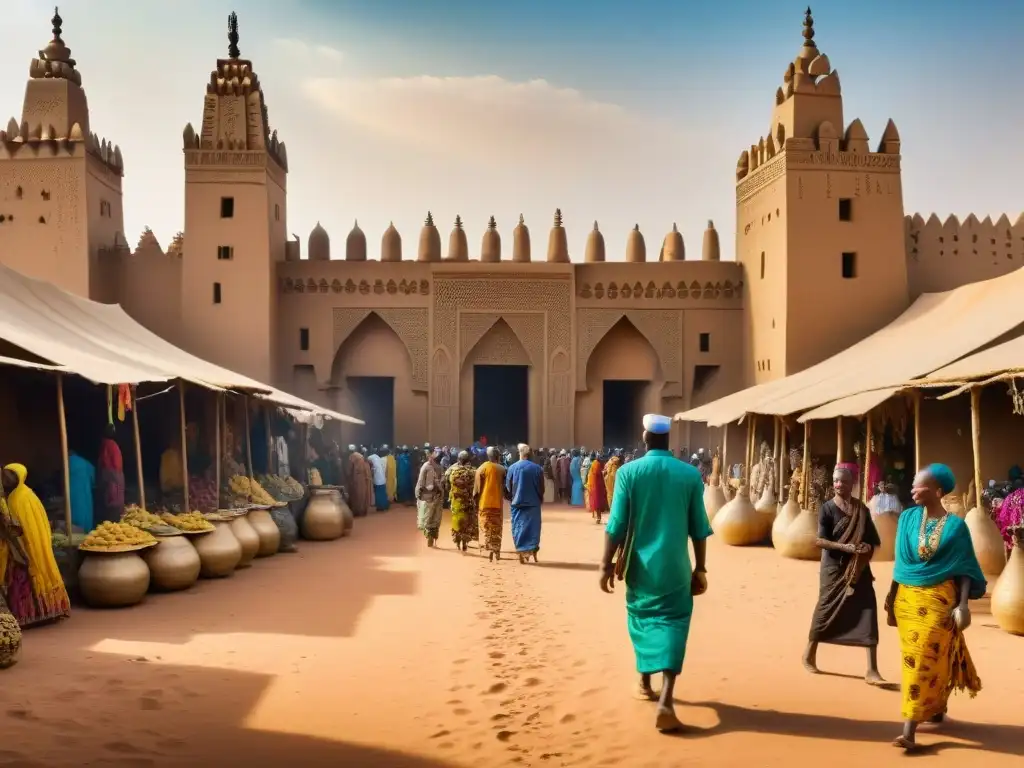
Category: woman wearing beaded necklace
[935,574]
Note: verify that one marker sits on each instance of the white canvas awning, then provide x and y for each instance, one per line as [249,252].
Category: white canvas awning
[937,329]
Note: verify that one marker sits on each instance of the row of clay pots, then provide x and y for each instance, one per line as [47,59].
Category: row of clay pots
[122,579]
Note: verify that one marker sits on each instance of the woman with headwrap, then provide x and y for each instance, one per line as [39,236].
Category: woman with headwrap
[611,468]
[597,493]
[847,611]
[28,569]
[460,480]
[576,479]
[936,572]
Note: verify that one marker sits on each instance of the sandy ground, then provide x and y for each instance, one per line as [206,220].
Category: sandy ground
[375,651]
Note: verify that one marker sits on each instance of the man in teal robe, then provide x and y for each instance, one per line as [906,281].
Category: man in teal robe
[658,507]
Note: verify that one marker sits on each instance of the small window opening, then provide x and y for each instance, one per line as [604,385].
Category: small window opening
[304,339]
[762,265]
[845,209]
[849,266]
[216,293]
[277,212]
[705,342]
[227,207]
[225,253]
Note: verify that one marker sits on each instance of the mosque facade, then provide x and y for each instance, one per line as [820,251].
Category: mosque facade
[512,340]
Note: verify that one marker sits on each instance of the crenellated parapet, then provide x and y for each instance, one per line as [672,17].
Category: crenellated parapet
[235,118]
[944,254]
[428,250]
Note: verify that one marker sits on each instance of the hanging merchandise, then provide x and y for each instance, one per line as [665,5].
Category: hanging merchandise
[124,400]
[110,405]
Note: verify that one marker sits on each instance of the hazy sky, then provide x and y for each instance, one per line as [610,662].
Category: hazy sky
[624,111]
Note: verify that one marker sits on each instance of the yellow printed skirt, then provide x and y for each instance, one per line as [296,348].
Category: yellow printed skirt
[935,657]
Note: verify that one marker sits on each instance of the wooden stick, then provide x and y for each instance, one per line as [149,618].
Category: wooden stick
[217,438]
[805,471]
[725,451]
[840,454]
[917,431]
[782,459]
[138,448]
[976,444]
[867,490]
[270,440]
[184,442]
[62,418]
[248,439]
[751,423]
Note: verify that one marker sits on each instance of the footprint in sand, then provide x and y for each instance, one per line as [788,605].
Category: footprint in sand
[531,682]
[496,655]
[122,747]
[460,711]
[445,745]
[505,735]
[441,734]
[592,691]
[499,717]
[497,688]
[567,718]
[150,704]
[21,714]
[460,661]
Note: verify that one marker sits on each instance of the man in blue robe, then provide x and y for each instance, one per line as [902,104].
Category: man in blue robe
[524,483]
[405,479]
[658,506]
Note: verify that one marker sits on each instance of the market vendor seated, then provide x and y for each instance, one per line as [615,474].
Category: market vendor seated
[172,471]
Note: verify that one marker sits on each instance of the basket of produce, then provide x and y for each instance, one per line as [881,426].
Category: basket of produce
[188,523]
[112,538]
[242,487]
[148,521]
[283,489]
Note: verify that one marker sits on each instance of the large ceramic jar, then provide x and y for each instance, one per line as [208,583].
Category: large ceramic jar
[782,521]
[714,499]
[886,524]
[800,539]
[1008,595]
[10,636]
[247,538]
[348,519]
[989,546]
[739,524]
[266,531]
[324,519]
[219,552]
[173,564]
[113,579]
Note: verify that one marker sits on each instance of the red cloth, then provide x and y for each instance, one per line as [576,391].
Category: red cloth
[110,456]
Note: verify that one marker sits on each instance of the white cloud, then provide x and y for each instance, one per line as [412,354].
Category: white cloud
[300,49]
[492,122]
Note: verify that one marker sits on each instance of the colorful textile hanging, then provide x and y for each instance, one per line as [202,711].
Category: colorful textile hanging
[124,400]
[110,404]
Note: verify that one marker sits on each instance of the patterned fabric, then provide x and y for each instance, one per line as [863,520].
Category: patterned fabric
[491,524]
[461,478]
[428,517]
[936,661]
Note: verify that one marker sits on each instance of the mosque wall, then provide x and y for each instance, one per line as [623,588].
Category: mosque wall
[942,255]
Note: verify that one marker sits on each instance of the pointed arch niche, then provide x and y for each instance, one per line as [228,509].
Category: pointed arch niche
[625,366]
[500,345]
[370,353]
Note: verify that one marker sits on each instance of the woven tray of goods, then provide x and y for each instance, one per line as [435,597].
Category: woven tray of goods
[148,521]
[283,489]
[111,537]
[188,523]
[242,488]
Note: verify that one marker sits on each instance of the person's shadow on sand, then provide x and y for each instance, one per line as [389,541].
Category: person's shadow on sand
[984,737]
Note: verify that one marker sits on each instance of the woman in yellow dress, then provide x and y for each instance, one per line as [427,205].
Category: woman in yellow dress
[609,475]
[935,574]
[35,589]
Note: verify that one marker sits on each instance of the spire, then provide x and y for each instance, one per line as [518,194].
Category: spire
[595,226]
[56,50]
[558,217]
[809,29]
[430,220]
[233,52]
[458,221]
[58,24]
[492,224]
[521,219]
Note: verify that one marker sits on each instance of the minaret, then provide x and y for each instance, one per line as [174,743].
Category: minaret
[63,220]
[235,222]
[558,243]
[490,244]
[817,214]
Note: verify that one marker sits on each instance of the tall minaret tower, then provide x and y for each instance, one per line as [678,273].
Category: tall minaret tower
[60,185]
[235,222]
[819,225]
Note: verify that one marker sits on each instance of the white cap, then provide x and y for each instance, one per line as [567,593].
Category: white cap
[657,424]
[351,447]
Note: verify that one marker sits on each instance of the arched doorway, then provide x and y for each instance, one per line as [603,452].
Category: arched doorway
[624,381]
[496,388]
[371,379]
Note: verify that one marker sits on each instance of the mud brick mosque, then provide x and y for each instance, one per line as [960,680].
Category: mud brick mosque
[413,337]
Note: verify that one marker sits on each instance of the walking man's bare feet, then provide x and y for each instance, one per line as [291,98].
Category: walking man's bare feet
[810,658]
[644,691]
[666,720]
[904,743]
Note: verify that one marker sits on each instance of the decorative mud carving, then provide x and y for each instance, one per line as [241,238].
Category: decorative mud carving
[527,326]
[409,323]
[498,346]
[561,386]
[336,285]
[662,328]
[364,287]
[442,405]
[378,287]
[350,286]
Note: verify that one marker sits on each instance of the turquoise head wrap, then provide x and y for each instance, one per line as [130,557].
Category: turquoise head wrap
[942,475]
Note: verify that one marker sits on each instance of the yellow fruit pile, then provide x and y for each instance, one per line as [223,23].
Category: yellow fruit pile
[10,637]
[250,489]
[113,535]
[140,518]
[190,522]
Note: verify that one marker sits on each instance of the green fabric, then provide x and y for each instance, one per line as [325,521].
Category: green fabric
[665,499]
[953,559]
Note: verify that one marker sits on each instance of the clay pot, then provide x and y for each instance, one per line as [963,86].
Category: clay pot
[801,535]
[782,521]
[247,538]
[989,546]
[348,519]
[886,524]
[10,636]
[267,532]
[954,503]
[113,580]
[714,500]
[1008,595]
[738,524]
[324,519]
[173,564]
[219,552]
